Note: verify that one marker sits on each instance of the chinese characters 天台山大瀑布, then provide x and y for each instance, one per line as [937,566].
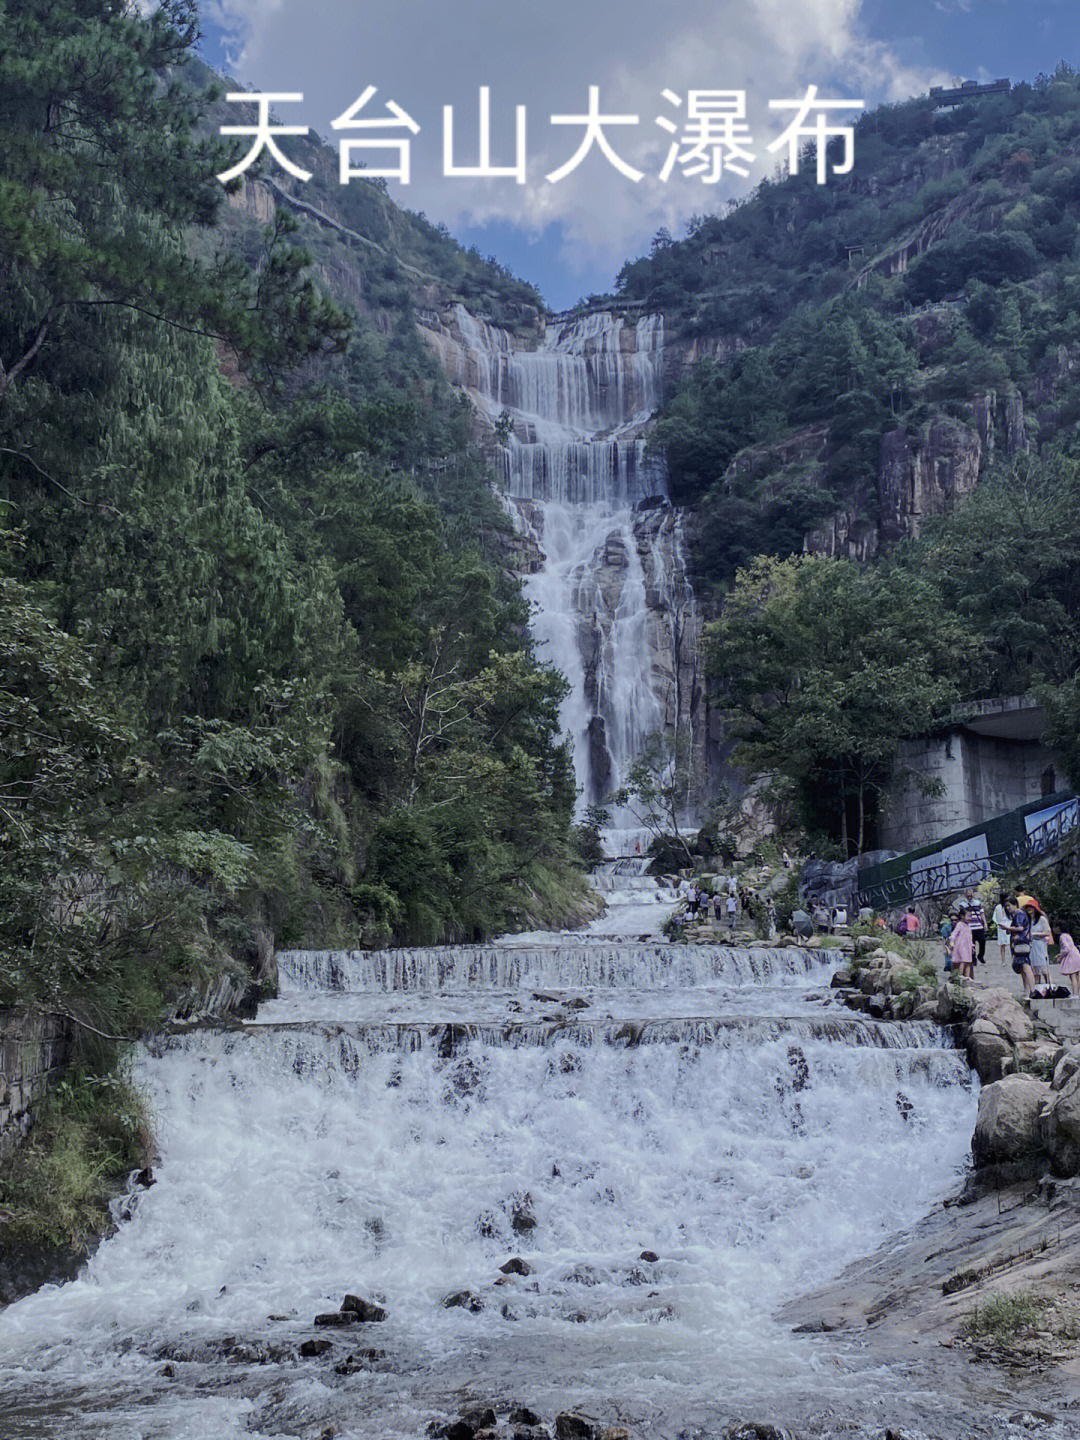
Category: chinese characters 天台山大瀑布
[713,140]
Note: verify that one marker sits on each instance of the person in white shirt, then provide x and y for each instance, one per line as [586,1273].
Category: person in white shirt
[1000,919]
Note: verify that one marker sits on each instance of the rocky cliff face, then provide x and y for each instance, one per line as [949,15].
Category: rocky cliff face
[925,473]
[922,472]
[34,1052]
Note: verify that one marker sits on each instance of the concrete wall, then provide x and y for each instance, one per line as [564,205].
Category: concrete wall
[34,1049]
[981,776]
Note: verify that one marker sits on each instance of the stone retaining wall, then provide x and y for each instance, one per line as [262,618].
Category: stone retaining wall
[34,1050]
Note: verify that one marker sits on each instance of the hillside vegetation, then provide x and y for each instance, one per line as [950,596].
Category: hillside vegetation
[884,369]
[265,672]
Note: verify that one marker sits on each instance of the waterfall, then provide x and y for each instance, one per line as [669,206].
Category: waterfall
[398,1124]
[611,605]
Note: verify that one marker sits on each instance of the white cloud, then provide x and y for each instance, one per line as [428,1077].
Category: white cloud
[424,55]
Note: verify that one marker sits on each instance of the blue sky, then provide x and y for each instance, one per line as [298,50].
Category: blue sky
[570,237]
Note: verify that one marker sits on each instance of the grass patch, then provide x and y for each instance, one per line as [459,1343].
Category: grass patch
[88,1133]
[1007,1316]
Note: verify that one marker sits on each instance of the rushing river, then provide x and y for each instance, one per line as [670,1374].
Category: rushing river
[400,1125]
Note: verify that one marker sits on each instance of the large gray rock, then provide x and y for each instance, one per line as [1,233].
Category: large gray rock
[987,1051]
[833,882]
[1061,1127]
[1004,1012]
[1066,1067]
[1008,1125]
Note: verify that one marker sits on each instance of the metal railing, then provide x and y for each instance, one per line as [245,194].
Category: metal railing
[950,876]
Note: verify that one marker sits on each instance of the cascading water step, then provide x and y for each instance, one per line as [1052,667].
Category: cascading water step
[664,1143]
[448,1036]
[559,961]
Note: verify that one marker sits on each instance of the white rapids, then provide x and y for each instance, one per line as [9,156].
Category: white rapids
[399,1124]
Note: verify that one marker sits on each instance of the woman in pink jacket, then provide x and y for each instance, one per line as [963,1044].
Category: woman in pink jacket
[961,949]
[1069,960]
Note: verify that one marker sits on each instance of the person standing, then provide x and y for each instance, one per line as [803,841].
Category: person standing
[1020,944]
[1041,939]
[732,912]
[975,916]
[945,929]
[960,946]
[1069,960]
[1000,918]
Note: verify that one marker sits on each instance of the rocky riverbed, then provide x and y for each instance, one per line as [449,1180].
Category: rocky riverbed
[993,1275]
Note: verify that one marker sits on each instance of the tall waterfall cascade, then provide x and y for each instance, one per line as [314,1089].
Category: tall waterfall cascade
[612,607]
[669,1142]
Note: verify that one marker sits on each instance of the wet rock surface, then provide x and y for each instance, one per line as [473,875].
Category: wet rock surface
[1007,1127]
[26,1266]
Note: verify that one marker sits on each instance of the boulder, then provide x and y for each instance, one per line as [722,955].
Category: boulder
[522,1220]
[310,1348]
[1008,1127]
[1066,1067]
[522,1415]
[1002,1010]
[1038,1057]
[516,1266]
[1061,1127]
[987,1052]
[480,1417]
[363,1309]
[463,1300]
[569,1426]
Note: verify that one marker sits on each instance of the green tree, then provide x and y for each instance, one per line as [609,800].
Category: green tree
[822,668]
[95,143]
[1006,562]
[660,787]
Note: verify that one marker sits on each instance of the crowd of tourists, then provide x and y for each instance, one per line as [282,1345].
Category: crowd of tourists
[1023,931]
[726,903]
[1024,936]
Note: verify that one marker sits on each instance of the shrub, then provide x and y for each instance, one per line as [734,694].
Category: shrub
[1005,1315]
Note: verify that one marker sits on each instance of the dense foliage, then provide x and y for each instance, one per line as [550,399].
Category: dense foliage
[262,671]
[824,664]
[878,345]
[939,282]
[823,667]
